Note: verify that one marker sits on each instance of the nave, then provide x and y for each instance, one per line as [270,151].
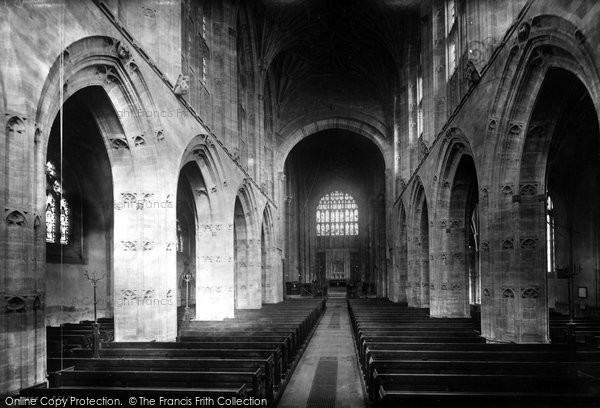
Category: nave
[327,375]
[185,183]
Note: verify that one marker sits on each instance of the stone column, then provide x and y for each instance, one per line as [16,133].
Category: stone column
[145,268]
[215,272]
[23,338]
[456,301]
[253,280]
[514,300]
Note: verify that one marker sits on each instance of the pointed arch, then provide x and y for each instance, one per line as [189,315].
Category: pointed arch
[270,278]
[202,169]
[246,231]
[553,44]
[418,284]
[399,276]
[457,213]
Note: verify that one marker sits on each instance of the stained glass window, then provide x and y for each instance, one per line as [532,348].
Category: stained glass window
[58,217]
[50,218]
[337,215]
[65,221]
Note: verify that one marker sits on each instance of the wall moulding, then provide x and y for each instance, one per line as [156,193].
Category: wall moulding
[528,189]
[508,244]
[16,218]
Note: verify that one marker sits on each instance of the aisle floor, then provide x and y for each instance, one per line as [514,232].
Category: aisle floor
[327,375]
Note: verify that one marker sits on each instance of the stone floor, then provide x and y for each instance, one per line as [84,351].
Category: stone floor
[327,375]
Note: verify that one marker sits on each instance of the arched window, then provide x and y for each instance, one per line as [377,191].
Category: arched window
[451,37]
[549,234]
[419,100]
[58,211]
[337,214]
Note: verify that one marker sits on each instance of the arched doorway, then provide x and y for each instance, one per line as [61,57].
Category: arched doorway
[79,212]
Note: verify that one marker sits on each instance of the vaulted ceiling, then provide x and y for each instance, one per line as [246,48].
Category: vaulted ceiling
[359,40]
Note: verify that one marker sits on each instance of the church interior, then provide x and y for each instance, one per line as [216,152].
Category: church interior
[320,203]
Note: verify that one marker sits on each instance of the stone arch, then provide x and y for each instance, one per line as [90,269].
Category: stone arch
[297,131]
[552,44]
[270,278]
[213,257]
[559,159]
[246,250]
[456,203]
[192,212]
[108,63]
[202,150]
[130,139]
[86,184]
[418,286]
[399,274]
[321,260]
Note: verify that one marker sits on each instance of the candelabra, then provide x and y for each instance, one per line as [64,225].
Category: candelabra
[187,278]
[94,279]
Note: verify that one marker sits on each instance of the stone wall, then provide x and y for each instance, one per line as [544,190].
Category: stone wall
[490,123]
[150,132]
[156,118]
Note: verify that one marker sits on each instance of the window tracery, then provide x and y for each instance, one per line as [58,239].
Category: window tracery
[451,37]
[337,215]
[58,210]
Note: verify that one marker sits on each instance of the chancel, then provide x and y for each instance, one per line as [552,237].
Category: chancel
[296,203]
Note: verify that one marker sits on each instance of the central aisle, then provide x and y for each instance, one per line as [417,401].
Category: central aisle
[327,374]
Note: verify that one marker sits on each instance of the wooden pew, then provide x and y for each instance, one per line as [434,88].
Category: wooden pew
[406,364]
[254,380]
[171,364]
[244,339]
[124,393]
[294,340]
[257,348]
[370,346]
[270,353]
[442,399]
